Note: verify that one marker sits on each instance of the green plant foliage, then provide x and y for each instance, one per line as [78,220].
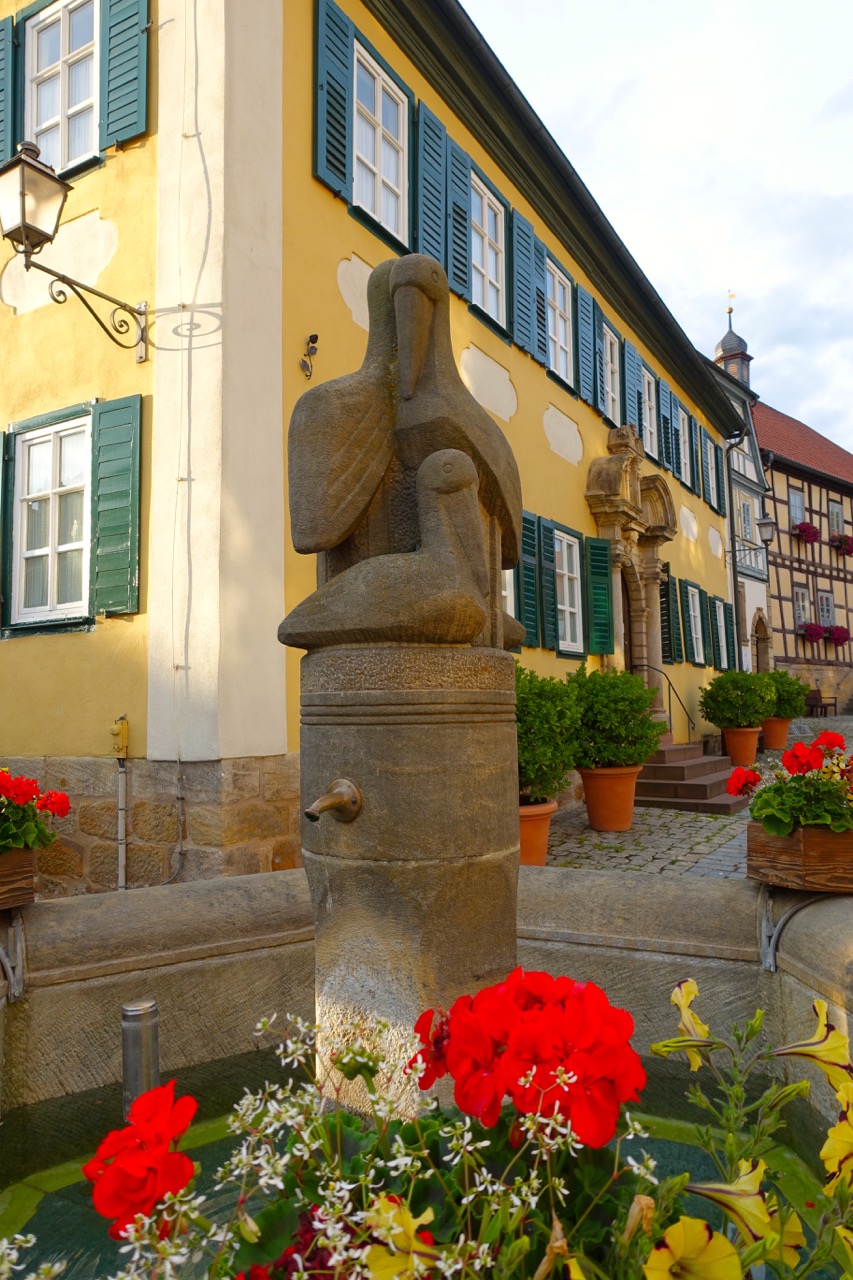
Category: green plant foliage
[546,716]
[616,724]
[806,800]
[738,700]
[790,695]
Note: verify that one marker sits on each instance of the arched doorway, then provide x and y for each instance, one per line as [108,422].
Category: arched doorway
[760,645]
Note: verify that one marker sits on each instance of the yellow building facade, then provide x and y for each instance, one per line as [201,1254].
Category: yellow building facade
[270,162]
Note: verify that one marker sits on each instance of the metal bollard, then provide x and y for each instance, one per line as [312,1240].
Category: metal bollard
[140,1049]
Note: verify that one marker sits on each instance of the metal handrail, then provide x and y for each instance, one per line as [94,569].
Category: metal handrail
[671,689]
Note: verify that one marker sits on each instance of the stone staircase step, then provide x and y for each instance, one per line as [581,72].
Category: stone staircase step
[724,804]
[699,788]
[675,754]
[686,769]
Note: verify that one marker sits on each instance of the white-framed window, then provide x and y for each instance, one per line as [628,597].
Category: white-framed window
[711,457]
[488,259]
[61,96]
[802,606]
[796,506]
[508,591]
[559,300]
[720,610]
[684,441]
[745,510]
[567,574]
[611,376]
[695,609]
[836,517]
[381,146]
[650,414]
[52,518]
[826,608]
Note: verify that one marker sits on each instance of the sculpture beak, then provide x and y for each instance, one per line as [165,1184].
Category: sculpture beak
[414,311]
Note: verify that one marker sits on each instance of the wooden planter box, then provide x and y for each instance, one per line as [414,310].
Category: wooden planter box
[811,858]
[17,869]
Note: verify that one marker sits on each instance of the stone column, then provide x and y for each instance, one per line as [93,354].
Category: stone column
[415,899]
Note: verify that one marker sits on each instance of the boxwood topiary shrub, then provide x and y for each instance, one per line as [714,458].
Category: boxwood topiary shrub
[790,695]
[547,721]
[738,700]
[616,724]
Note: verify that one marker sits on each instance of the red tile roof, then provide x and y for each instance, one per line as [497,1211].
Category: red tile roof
[800,444]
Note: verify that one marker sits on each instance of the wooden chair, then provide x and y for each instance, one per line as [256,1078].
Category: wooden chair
[814,703]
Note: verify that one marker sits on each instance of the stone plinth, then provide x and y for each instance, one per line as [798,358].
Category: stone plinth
[415,900]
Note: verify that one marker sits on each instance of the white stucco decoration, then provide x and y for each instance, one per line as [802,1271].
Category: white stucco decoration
[715,542]
[489,383]
[353,275]
[82,249]
[563,435]
[689,524]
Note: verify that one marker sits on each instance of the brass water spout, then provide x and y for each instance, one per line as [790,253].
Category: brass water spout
[342,800]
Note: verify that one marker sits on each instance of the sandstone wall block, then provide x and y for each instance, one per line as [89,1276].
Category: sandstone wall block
[102,864]
[156,822]
[281,777]
[98,818]
[63,857]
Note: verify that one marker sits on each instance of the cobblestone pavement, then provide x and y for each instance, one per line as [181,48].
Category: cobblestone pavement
[669,841]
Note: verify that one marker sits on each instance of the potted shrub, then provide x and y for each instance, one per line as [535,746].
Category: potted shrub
[547,722]
[617,734]
[23,808]
[790,702]
[738,702]
[802,831]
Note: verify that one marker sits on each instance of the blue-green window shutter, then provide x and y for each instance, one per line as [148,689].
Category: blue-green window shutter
[715,633]
[599,595]
[600,398]
[458,220]
[333,103]
[7,97]
[586,345]
[124,71]
[665,424]
[695,466]
[431,198]
[676,436]
[706,629]
[523,283]
[114,574]
[721,480]
[729,612]
[527,579]
[689,650]
[709,497]
[540,305]
[633,387]
[667,654]
[548,584]
[675,621]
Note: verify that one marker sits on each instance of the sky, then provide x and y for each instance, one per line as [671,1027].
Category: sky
[718,140]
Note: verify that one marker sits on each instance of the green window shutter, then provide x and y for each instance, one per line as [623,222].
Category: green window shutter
[333,101]
[599,595]
[689,649]
[431,198]
[114,575]
[715,633]
[729,612]
[677,648]
[547,584]
[586,345]
[528,580]
[632,412]
[706,629]
[540,306]
[124,70]
[523,283]
[721,480]
[665,622]
[695,467]
[7,97]
[458,220]
[706,474]
[676,436]
[598,321]
[665,424]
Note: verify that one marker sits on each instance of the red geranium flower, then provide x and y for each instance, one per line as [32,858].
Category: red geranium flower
[742,782]
[22,790]
[829,740]
[802,759]
[55,802]
[434,1043]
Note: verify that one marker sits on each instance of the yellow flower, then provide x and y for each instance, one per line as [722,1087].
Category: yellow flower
[575,1272]
[692,1251]
[793,1237]
[837,1152]
[396,1224]
[742,1200]
[828,1049]
[846,1236]
[689,1025]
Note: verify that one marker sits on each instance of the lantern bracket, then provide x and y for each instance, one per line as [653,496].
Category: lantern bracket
[126,325]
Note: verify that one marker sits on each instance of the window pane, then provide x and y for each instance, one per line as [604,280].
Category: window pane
[390,163]
[48,46]
[47,100]
[38,524]
[477,289]
[390,209]
[390,114]
[82,26]
[49,145]
[35,582]
[38,467]
[80,134]
[494,302]
[493,263]
[365,139]
[493,223]
[364,187]
[477,249]
[69,577]
[551,283]
[72,459]
[366,88]
[70,518]
[476,206]
[80,81]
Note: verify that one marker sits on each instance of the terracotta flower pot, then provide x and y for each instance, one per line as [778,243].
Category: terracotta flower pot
[17,871]
[741,745]
[811,858]
[535,823]
[775,733]
[609,796]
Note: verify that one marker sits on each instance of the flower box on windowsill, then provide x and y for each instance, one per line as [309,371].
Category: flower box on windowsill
[806,532]
[811,858]
[842,543]
[813,632]
[17,871]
